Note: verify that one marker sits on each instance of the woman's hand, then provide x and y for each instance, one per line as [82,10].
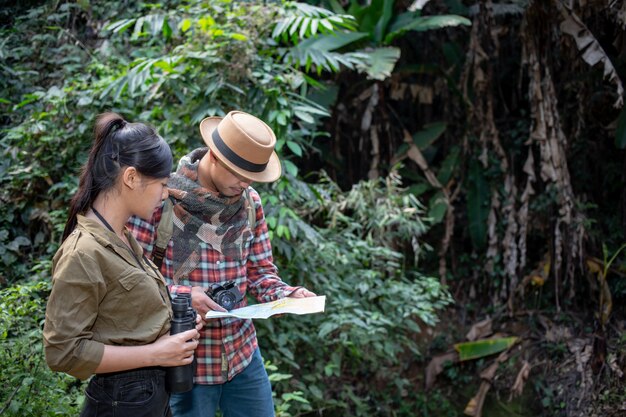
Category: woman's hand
[200,322]
[168,350]
[176,350]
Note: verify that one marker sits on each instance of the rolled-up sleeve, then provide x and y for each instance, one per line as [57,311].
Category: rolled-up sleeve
[262,274]
[77,289]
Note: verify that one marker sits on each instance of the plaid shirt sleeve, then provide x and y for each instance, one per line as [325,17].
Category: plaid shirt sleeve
[263,280]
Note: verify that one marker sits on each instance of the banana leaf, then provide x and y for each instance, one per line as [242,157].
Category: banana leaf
[485,347]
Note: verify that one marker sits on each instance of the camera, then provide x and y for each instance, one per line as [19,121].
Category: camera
[180,378]
[227,295]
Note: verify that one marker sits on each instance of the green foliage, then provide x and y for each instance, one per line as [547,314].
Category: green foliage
[485,347]
[170,65]
[378,24]
[221,58]
[303,21]
[414,21]
[427,404]
[283,404]
[176,66]
[31,388]
[45,123]
[315,37]
[359,255]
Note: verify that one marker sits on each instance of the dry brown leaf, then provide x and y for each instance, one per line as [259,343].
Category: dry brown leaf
[435,366]
[595,265]
[612,361]
[397,90]
[474,407]
[582,350]
[520,380]
[470,408]
[538,276]
[366,128]
[480,330]
[416,155]
[591,50]
[375,152]
[522,214]
[548,135]
[366,120]
[489,372]
[558,334]
[509,243]
[426,95]
[445,242]
[492,226]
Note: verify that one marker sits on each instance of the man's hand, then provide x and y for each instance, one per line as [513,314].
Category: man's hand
[202,303]
[302,293]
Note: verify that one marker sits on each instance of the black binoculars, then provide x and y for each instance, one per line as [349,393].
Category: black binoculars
[180,378]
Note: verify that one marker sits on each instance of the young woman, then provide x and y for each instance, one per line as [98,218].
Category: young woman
[109,310]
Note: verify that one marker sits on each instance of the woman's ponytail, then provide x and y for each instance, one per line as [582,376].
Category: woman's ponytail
[117,144]
[91,181]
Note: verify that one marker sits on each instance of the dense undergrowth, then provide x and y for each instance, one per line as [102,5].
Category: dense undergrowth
[170,66]
[379,249]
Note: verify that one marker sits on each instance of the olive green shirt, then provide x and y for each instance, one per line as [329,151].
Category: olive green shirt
[102,294]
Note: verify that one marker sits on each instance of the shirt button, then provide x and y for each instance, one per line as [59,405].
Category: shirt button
[217,262]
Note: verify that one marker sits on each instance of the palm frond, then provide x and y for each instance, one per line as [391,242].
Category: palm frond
[302,21]
[319,52]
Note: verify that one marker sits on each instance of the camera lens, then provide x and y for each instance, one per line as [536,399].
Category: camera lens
[227,300]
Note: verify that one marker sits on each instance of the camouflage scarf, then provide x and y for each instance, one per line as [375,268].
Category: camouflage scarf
[201,216]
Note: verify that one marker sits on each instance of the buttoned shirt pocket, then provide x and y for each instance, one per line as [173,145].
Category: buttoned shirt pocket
[128,282]
[135,303]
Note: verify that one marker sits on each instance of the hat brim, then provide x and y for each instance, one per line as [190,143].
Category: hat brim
[272,171]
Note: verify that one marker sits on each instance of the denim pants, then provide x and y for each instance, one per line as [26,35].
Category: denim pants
[248,394]
[134,393]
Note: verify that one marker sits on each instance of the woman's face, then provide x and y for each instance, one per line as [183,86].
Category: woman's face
[150,194]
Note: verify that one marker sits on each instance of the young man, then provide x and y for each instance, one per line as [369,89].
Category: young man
[219,235]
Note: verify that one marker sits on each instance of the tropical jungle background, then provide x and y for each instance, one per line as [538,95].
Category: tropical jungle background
[454,184]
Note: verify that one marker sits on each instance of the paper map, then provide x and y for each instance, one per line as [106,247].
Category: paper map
[285,305]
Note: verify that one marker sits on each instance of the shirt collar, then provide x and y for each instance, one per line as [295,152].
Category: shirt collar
[108,239]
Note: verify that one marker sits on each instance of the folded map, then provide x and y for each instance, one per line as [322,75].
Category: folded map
[285,305]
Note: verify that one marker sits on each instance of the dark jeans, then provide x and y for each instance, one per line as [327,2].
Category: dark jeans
[134,393]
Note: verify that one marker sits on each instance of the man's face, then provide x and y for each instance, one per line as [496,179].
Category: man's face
[227,182]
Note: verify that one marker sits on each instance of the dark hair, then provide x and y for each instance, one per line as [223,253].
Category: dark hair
[118,144]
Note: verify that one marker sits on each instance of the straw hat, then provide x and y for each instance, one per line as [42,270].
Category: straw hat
[244,143]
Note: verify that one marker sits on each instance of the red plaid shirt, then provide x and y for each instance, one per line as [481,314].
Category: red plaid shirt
[226,344]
